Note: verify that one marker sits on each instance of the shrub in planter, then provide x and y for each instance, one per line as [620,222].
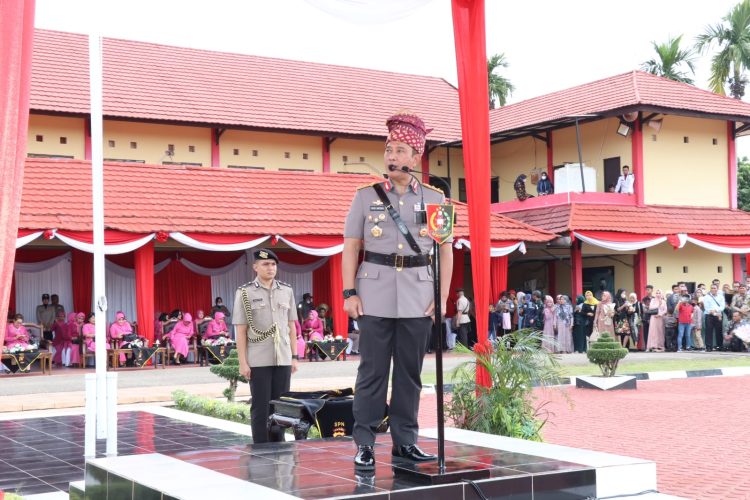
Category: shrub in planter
[515,363]
[230,370]
[606,352]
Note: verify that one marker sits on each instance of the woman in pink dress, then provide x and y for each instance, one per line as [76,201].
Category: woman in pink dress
[117,332]
[548,331]
[180,335]
[75,325]
[201,322]
[656,326]
[60,340]
[88,332]
[313,326]
[301,344]
[16,334]
[217,327]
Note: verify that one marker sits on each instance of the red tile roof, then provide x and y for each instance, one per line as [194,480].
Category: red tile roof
[148,198]
[628,90]
[159,82]
[653,219]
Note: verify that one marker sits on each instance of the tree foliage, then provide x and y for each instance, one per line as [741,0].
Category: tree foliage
[670,61]
[500,87]
[743,184]
[732,38]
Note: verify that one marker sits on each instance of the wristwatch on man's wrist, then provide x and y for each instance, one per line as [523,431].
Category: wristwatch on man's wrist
[350,292]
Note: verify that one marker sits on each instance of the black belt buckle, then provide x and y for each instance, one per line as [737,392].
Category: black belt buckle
[398,263]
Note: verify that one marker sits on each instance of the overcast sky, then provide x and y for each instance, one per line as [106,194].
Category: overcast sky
[550,44]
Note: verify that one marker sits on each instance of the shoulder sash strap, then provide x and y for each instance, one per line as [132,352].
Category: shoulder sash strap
[396,218]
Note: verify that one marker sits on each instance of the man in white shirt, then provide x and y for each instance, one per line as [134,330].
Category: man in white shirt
[462,315]
[625,181]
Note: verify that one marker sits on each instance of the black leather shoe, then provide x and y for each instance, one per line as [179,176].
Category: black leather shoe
[413,453]
[365,458]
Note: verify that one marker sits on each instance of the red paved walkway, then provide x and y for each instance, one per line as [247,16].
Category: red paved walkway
[697,430]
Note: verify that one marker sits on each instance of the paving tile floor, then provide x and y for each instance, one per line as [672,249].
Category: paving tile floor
[696,430]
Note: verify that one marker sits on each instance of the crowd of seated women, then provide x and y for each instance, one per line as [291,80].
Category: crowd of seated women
[179,329]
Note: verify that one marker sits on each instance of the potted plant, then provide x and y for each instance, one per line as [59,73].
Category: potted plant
[606,352]
[514,364]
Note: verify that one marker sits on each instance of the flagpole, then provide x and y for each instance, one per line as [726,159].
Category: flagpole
[437,326]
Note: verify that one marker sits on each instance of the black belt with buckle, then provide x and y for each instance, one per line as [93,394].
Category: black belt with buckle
[398,261]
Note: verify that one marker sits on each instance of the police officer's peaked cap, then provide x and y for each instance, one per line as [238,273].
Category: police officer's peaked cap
[265,254]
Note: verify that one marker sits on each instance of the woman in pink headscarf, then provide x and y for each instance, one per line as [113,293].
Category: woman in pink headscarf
[117,332]
[63,340]
[60,339]
[216,327]
[312,327]
[75,327]
[16,333]
[180,335]
[88,332]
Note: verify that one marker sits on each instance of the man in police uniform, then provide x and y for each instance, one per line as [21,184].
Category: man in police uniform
[392,299]
[264,314]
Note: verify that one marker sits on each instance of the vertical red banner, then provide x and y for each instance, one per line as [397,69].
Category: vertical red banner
[16,40]
[473,95]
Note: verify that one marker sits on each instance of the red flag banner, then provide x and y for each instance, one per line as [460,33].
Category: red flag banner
[16,38]
[473,95]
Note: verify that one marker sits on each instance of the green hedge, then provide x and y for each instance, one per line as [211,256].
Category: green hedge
[234,412]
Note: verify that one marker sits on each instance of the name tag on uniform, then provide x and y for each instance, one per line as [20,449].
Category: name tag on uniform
[377,208]
[418,207]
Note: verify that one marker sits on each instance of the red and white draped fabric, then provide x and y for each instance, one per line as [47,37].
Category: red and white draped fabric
[300,276]
[219,242]
[16,40]
[471,62]
[721,244]
[115,242]
[52,276]
[620,242]
[224,279]
[26,236]
[497,249]
[322,246]
[498,277]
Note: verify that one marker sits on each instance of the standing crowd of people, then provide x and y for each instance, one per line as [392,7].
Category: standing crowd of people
[708,318]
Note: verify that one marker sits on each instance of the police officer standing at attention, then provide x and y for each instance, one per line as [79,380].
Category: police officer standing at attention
[391,294]
[264,314]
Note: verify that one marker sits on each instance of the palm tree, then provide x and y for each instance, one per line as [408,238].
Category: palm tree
[669,59]
[732,36]
[499,86]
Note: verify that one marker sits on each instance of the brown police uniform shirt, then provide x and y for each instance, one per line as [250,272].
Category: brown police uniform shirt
[268,305]
[386,292]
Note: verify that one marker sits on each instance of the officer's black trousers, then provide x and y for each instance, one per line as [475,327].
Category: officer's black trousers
[266,383]
[405,340]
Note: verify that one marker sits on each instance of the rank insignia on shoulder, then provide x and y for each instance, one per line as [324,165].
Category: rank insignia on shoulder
[284,283]
[245,285]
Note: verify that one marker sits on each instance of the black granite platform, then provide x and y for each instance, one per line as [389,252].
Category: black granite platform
[41,455]
[323,468]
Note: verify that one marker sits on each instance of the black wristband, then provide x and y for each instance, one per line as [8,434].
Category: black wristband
[349,292]
[295,356]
